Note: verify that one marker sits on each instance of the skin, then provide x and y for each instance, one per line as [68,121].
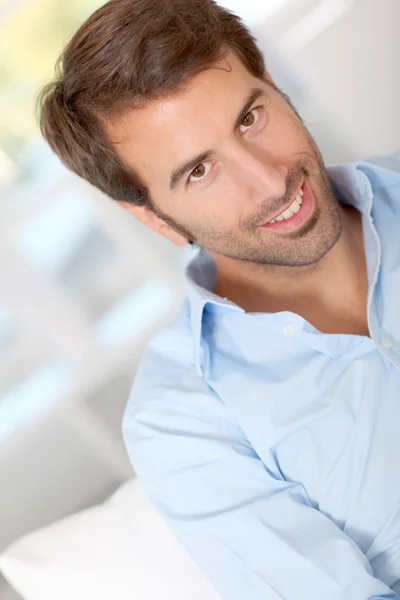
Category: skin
[317,271]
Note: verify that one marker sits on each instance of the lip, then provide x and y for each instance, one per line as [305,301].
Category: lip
[285,207]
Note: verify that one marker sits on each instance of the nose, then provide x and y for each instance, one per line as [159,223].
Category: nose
[263,176]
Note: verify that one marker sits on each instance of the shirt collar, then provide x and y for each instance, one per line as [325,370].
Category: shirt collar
[351,186]
[200,277]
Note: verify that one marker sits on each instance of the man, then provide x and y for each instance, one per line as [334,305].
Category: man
[264,419]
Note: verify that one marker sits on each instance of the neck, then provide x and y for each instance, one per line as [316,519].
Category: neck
[331,294]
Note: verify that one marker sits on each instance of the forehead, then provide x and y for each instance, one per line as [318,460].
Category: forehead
[155,139]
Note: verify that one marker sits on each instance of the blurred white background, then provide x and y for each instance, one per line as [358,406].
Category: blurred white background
[83,286]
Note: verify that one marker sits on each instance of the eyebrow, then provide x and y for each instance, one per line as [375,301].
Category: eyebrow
[178,174]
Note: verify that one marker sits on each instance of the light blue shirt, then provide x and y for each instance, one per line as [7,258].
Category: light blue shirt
[272,450]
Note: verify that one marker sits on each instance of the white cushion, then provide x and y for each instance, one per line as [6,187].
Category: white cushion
[121,549]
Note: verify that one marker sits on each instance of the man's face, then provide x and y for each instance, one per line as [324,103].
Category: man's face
[258,156]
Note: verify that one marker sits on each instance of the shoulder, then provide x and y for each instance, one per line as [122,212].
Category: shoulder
[389,162]
[382,170]
[173,418]
[167,382]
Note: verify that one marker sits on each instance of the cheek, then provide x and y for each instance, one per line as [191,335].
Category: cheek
[225,206]
[285,137]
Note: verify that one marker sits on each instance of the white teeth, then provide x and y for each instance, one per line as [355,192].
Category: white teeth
[287,213]
[291,210]
[296,207]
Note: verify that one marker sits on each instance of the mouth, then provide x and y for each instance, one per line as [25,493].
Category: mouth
[295,213]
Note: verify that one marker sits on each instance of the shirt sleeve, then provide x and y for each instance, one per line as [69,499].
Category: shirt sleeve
[254,536]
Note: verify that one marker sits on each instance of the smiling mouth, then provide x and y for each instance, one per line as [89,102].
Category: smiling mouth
[295,214]
[291,210]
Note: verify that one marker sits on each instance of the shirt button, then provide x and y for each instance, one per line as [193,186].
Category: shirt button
[289,330]
[387,344]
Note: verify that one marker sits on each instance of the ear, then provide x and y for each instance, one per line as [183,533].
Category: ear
[150,219]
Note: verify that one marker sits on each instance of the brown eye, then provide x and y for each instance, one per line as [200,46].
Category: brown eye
[199,171]
[249,119]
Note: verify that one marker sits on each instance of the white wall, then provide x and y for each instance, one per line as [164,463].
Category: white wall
[351,71]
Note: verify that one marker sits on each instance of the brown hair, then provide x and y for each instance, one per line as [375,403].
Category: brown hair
[127,53]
